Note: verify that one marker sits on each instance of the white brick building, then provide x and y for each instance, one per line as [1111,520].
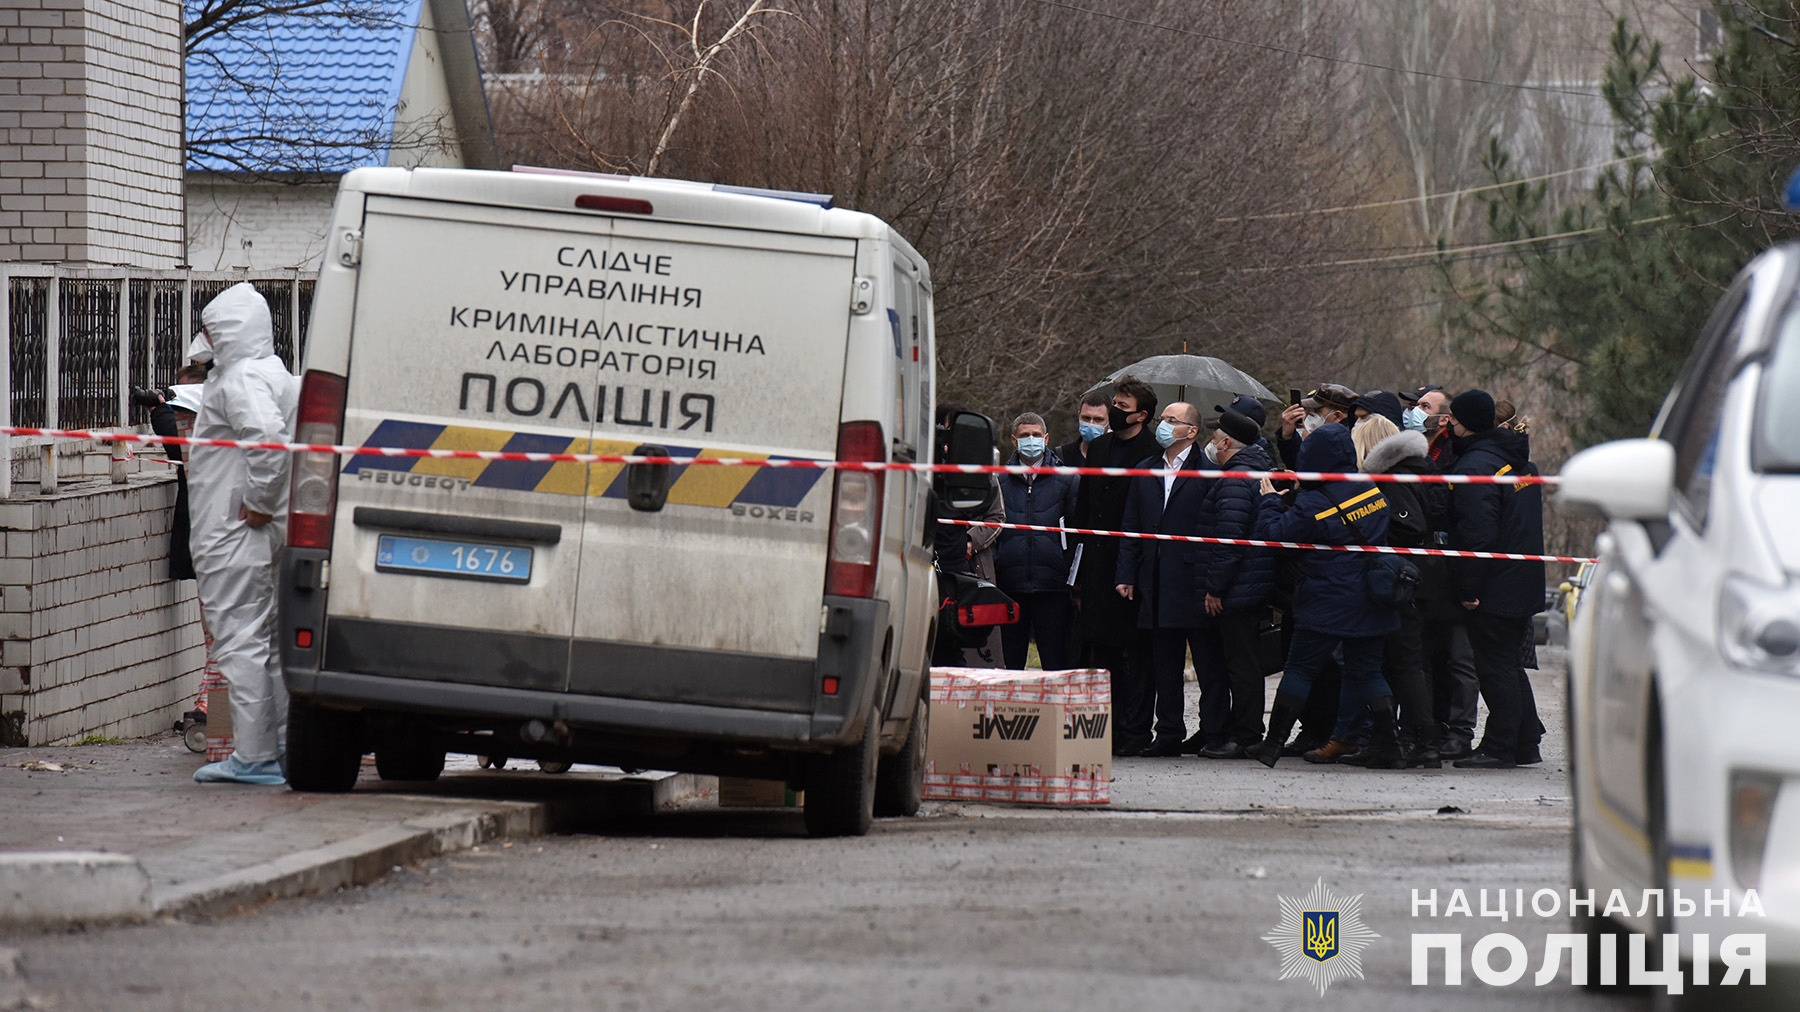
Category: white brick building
[91,116]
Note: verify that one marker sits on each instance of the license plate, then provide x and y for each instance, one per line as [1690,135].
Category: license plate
[470,561]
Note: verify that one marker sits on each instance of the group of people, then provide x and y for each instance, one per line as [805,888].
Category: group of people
[1383,658]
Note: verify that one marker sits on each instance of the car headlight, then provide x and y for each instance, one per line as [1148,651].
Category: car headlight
[1759,625]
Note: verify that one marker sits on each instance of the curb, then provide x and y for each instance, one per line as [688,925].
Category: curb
[59,889]
[51,888]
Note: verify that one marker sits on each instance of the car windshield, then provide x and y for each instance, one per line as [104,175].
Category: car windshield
[1778,409]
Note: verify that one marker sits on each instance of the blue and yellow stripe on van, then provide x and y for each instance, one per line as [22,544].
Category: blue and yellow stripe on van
[719,487]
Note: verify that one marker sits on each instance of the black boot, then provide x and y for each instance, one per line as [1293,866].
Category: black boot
[1383,750]
[1282,718]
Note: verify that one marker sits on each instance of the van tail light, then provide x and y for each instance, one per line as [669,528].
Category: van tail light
[856,512]
[312,492]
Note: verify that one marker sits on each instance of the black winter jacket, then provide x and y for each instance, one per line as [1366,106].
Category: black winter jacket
[1497,518]
[1332,595]
[1240,576]
[1429,506]
[1032,562]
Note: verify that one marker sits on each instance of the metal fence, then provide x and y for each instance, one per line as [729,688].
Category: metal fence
[79,339]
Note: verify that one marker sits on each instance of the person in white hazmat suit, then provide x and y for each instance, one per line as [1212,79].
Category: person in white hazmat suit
[237,501]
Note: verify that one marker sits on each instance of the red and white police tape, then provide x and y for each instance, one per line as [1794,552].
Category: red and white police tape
[801,463]
[1372,549]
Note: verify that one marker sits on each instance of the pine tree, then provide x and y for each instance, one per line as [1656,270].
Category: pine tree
[1614,304]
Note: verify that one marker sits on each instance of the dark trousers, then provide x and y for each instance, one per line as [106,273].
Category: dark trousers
[1455,686]
[1319,718]
[1225,662]
[1403,665]
[1168,660]
[1512,723]
[1129,665]
[1044,617]
[1310,656]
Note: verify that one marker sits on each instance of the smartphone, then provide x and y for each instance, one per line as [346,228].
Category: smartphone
[1293,396]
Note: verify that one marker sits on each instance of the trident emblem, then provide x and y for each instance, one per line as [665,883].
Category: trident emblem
[1321,934]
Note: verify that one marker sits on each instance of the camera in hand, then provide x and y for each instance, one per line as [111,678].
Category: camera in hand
[146,397]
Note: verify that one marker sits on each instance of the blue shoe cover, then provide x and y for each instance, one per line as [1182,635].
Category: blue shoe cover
[236,771]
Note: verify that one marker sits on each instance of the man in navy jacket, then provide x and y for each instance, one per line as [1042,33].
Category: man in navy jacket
[1032,567]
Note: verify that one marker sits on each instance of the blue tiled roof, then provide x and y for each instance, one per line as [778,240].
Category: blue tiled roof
[298,93]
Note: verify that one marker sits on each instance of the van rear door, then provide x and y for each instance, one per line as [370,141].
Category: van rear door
[733,346]
[464,570]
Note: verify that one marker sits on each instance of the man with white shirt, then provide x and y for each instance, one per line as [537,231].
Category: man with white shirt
[1166,578]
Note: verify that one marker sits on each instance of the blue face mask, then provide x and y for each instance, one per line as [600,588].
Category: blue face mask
[1090,431]
[1413,419]
[1031,447]
[1165,433]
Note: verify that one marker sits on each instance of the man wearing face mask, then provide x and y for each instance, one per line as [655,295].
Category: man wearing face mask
[1238,582]
[1032,567]
[1430,413]
[1109,622]
[1168,580]
[1331,402]
[1090,422]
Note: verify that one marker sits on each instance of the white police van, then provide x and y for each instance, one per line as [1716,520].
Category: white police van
[764,622]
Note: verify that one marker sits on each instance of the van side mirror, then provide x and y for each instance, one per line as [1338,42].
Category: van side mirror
[966,438]
[1628,479]
[647,485]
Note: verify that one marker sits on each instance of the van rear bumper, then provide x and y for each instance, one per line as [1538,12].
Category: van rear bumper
[638,690]
[602,713]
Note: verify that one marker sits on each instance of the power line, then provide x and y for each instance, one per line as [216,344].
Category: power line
[1448,251]
[1327,57]
[1281,215]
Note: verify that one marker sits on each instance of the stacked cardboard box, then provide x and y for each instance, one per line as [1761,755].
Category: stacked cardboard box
[1037,737]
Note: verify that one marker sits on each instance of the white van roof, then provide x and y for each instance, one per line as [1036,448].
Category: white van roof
[669,199]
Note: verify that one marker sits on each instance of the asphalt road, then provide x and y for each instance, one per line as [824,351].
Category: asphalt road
[1157,903]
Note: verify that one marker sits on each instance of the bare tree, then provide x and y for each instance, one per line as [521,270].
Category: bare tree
[1085,188]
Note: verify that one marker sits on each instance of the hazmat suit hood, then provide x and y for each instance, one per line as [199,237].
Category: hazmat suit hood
[237,320]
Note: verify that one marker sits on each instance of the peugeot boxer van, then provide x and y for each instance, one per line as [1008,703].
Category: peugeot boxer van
[761,622]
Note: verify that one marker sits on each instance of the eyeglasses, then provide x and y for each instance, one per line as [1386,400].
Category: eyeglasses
[1173,420]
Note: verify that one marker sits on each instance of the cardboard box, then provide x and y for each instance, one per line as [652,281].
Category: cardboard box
[1031,737]
[742,792]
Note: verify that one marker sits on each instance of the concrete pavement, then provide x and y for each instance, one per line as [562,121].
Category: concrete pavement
[100,833]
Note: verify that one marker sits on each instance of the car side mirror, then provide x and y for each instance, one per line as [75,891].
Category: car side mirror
[1628,479]
[966,438]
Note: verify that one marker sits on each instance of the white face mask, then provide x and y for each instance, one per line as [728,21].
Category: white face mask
[1313,422]
[200,349]
[1212,453]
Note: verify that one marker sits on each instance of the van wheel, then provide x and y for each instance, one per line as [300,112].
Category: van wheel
[409,760]
[324,750]
[900,780]
[840,786]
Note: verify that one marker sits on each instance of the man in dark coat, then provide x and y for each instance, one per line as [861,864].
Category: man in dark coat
[1032,567]
[1238,582]
[1108,621]
[1332,604]
[1499,596]
[1167,578]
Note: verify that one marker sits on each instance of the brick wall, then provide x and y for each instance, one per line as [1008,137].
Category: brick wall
[260,226]
[94,637]
[90,131]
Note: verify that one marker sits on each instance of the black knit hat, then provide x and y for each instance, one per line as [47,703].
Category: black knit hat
[1474,409]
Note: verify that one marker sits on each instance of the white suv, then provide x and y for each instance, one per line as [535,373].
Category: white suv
[1684,670]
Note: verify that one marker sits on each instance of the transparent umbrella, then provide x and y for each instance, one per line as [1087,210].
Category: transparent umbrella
[1200,380]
